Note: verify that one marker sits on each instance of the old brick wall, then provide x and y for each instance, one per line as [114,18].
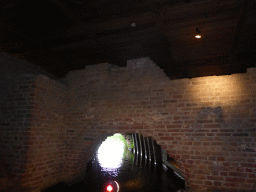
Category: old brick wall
[45,164]
[24,132]
[14,132]
[49,130]
[207,124]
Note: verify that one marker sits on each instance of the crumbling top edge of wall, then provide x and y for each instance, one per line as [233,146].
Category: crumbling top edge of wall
[44,78]
[16,66]
[139,63]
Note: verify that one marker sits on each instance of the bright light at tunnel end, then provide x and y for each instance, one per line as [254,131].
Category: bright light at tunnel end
[110,154]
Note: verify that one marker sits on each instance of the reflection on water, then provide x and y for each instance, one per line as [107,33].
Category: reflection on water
[130,174]
[113,165]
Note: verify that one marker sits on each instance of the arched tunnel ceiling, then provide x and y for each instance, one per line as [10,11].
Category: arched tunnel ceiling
[65,35]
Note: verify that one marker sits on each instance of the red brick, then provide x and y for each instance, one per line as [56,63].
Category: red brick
[170,101]
[197,182]
[147,107]
[199,157]
[173,126]
[173,130]
[252,120]
[207,182]
[159,106]
[213,125]
[207,172]
[190,161]
[179,105]
[252,176]
[137,127]
[198,134]
[166,138]
[223,173]
[158,90]
[159,126]
[177,122]
[251,180]
[205,143]
[205,153]
[226,163]
[177,96]
[217,183]
[237,174]
[220,158]
[230,184]
[185,156]
[215,178]
[248,165]
[250,160]
[178,138]
[176,117]
[215,173]
[191,122]
[235,180]
[191,104]
[248,170]
[197,143]
[122,128]
[187,117]
[186,109]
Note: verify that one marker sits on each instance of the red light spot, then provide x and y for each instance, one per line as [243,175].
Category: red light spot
[109,188]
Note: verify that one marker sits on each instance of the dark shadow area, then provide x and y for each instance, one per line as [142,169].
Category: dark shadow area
[58,187]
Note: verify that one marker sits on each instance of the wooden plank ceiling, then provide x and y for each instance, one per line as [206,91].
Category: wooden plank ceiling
[64,35]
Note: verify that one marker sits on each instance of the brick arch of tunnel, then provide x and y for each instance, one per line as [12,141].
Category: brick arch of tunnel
[103,137]
[97,142]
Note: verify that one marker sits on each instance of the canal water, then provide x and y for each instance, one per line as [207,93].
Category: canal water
[131,176]
[125,170]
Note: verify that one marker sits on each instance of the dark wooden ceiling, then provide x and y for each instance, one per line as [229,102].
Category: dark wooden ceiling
[64,35]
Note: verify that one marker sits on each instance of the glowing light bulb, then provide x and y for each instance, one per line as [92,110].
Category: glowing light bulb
[109,188]
[198,36]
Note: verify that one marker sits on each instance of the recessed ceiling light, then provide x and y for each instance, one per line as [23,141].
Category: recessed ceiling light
[198,36]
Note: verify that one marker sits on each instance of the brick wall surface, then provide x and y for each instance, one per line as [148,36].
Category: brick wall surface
[207,124]
[30,124]
[14,127]
[47,139]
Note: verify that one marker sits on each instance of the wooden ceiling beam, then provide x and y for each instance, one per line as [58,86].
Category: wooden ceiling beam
[241,16]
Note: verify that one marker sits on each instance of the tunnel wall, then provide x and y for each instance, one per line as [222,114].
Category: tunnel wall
[207,124]
[31,122]
[46,157]
[15,125]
